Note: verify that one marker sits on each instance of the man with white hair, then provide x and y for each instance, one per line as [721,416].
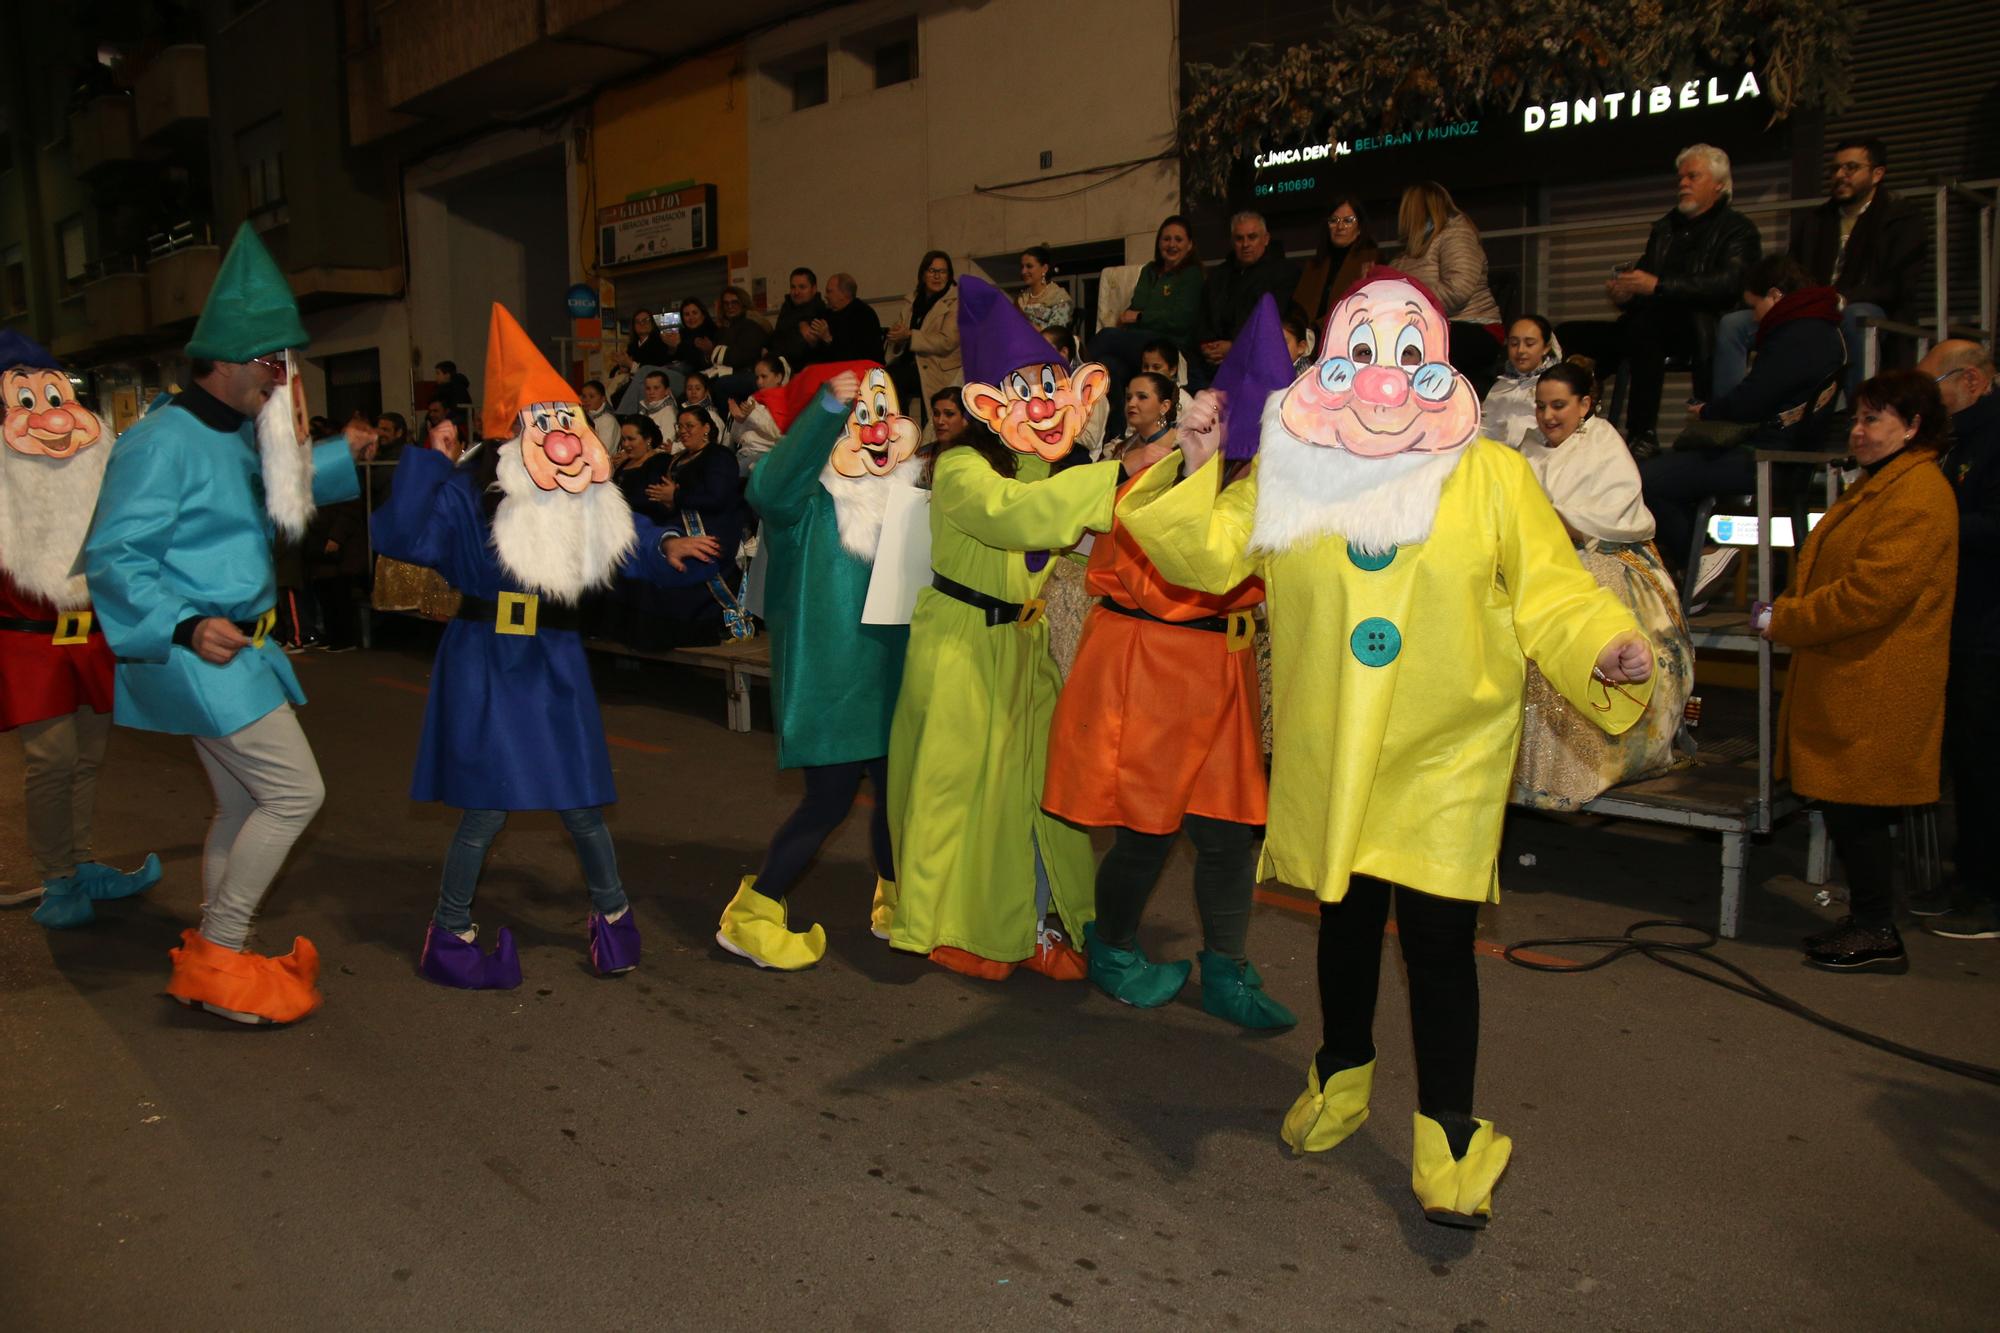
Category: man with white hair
[179,568]
[1230,291]
[1690,275]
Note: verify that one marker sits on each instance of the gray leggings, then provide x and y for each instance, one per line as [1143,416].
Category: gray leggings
[267,789]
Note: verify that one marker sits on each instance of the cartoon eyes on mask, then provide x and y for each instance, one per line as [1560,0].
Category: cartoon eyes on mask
[1410,346]
[881,407]
[27,397]
[1433,382]
[1361,350]
[1019,385]
[542,422]
[1336,374]
[1049,380]
[863,416]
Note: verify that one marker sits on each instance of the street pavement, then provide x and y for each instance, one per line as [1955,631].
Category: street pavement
[879,1144]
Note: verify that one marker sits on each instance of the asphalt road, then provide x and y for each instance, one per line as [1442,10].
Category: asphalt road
[880,1144]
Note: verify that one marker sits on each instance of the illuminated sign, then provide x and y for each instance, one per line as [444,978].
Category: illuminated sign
[1689,96]
[672,222]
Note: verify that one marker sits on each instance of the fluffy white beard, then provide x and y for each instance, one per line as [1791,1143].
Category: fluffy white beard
[1306,492]
[287,463]
[557,544]
[859,504]
[45,509]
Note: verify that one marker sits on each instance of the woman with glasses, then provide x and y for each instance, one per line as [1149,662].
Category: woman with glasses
[1345,252]
[923,347]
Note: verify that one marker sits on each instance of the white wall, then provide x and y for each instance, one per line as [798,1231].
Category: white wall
[383,325]
[872,178]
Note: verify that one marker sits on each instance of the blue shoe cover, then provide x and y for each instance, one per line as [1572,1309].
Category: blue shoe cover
[65,905]
[104,883]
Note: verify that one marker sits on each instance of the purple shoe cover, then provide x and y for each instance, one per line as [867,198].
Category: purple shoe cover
[614,945]
[450,961]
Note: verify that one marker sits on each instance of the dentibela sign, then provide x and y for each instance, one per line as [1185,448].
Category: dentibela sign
[1662,100]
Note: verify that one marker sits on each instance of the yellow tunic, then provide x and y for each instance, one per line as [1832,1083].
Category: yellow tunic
[1396,681]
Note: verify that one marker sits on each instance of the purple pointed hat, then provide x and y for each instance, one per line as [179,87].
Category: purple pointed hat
[1258,365]
[994,337]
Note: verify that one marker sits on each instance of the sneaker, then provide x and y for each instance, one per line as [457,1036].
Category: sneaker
[15,898]
[1861,948]
[1714,564]
[1974,921]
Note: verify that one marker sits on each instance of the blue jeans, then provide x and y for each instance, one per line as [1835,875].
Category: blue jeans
[476,831]
[1736,334]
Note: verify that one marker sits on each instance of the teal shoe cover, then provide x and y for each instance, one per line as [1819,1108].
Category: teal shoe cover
[65,905]
[1234,991]
[103,882]
[1126,975]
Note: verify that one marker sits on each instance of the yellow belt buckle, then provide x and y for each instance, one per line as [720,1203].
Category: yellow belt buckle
[506,623]
[265,624]
[1031,611]
[72,627]
[1242,629]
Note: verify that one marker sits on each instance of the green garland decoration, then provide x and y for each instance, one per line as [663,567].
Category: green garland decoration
[1431,62]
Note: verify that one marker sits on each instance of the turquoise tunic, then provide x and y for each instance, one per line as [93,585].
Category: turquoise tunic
[833,679]
[969,749]
[181,531]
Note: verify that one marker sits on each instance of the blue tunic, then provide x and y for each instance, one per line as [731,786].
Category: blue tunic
[512,720]
[181,531]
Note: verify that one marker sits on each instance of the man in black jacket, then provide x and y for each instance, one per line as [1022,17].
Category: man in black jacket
[1864,242]
[1231,290]
[853,329]
[1689,276]
[1965,379]
[800,336]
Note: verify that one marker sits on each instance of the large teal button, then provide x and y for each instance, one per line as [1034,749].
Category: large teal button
[1371,563]
[1376,642]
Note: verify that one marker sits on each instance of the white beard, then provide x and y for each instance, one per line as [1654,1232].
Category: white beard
[557,544]
[45,509]
[859,504]
[1306,492]
[287,466]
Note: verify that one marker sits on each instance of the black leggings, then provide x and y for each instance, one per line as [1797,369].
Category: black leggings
[1225,875]
[1860,836]
[1436,936]
[830,792]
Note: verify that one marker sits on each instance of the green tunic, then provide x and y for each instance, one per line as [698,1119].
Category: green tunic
[970,743]
[833,679]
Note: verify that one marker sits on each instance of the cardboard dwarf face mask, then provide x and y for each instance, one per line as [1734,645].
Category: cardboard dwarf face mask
[43,418]
[878,437]
[1040,409]
[1383,385]
[559,450]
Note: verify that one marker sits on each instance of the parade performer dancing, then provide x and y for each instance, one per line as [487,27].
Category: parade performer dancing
[822,493]
[512,720]
[979,863]
[179,567]
[55,669]
[1412,571]
[1159,729]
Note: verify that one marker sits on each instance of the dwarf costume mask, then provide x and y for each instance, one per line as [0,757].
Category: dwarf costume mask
[1022,388]
[559,529]
[867,460]
[1362,442]
[51,465]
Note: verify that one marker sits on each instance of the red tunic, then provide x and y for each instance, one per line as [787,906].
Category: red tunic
[1157,721]
[41,679]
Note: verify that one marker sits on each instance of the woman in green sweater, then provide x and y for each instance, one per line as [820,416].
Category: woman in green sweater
[1165,305]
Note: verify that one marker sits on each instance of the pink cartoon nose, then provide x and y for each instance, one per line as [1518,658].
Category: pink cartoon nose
[1381,386]
[562,447]
[876,434]
[55,421]
[1041,409]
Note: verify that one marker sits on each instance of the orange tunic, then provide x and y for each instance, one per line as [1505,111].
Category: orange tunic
[1157,721]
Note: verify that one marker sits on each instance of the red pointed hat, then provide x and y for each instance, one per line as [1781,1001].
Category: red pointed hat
[517,376]
[796,394]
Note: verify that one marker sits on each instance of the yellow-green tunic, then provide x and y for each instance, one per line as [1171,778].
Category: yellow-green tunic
[1396,682]
[968,748]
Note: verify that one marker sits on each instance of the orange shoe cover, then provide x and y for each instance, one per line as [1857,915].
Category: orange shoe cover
[971,964]
[247,986]
[1055,959]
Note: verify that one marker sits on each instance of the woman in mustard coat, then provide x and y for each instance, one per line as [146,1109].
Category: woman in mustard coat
[1868,620]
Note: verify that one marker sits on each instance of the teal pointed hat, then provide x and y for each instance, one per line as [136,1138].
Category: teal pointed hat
[250,310]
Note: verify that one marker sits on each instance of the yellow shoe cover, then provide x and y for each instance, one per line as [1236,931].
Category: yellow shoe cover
[1322,1117]
[753,927]
[1457,1192]
[883,913]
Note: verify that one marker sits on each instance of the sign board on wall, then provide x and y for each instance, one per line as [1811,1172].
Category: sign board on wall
[657,226]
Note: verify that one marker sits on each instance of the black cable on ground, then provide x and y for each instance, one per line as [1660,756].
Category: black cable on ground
[1685,956]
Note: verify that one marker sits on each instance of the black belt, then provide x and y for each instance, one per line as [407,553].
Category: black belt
[68,626]
[1238,625]
[521,613]
[256,630]
[997,611]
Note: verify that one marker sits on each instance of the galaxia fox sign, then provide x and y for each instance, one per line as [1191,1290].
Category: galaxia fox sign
[1662,100]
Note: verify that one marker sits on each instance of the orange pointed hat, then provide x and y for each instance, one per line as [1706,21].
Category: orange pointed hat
[517,376]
